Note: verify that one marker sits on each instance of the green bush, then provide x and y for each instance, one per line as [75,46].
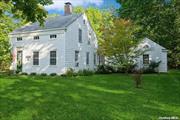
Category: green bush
[53,74]
[33,73]
[70,72]
[105,69]
[85,72]
[125,68]
[23,73]
[43,74]
[152,67]
[63,75]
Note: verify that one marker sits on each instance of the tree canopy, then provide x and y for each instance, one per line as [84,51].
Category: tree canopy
[29,10]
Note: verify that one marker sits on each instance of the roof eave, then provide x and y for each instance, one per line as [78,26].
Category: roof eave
[44,30]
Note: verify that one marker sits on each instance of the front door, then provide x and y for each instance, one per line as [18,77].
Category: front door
[19,61]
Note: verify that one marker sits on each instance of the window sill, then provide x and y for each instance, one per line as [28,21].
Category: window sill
[19,41]
[35,40]
[52,39]
[53,66]
[35,65]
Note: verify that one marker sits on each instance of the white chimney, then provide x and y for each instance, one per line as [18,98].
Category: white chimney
[67,8]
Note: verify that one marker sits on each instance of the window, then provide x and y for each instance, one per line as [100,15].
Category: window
[19,38]
[80,36]
[89,41]
[145,59]
[53,36]
[94,58]
[76,58]
[36,37]
[87,58]
[84,21]
[52,57]
[35,58]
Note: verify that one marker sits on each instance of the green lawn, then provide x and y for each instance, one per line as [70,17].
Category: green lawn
[97,97]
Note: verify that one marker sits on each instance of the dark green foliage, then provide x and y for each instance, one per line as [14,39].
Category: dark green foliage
[70,73]
[23,73]
[53,74]
[43,74]
[152,68]
[85,72]
[104,69]
[33,74]
[97,97]
[107,69]
[31,10]
[19,68]
[129,68]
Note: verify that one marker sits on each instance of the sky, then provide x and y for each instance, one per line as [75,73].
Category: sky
[58,6]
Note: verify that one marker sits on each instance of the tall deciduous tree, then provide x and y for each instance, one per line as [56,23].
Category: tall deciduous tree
[6,26]
[120,44]
[159,22]
[29,10]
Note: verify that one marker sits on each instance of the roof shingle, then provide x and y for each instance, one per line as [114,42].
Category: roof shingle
[54,22]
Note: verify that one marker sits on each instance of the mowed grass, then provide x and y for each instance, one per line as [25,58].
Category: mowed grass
[97,97]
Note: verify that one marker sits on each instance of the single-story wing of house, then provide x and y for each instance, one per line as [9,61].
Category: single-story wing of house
[155,53]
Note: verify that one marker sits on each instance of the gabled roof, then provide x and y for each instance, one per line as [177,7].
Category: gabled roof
[147,39]
[54,22]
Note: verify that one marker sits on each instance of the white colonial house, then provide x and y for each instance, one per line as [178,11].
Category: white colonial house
[64,42]
[155,53]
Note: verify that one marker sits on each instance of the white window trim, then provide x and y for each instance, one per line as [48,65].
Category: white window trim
[33,59]
[56,58]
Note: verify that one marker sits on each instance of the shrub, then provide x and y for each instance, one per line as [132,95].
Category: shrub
[70,72]
[53,74]
[63,75]
[105,69]
[152,67]
[23,73]
[85,72]
[43,74]
[33,73]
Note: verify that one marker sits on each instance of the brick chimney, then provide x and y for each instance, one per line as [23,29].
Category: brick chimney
[67,8]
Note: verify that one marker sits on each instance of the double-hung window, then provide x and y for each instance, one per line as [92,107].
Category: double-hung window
[53,36]
[76,58]
[94,58]
[36,37]
[19,38]
[52,57]
[80,36]
[35,58]
[145,59]
[87,58]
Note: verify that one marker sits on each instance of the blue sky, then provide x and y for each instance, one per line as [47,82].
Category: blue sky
[58,6]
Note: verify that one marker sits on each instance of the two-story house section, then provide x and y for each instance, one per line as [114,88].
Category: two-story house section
[64,42]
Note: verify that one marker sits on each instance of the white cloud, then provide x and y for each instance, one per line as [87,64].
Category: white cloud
[59,4]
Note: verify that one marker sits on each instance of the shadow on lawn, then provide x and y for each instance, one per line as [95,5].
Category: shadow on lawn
[86,98]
